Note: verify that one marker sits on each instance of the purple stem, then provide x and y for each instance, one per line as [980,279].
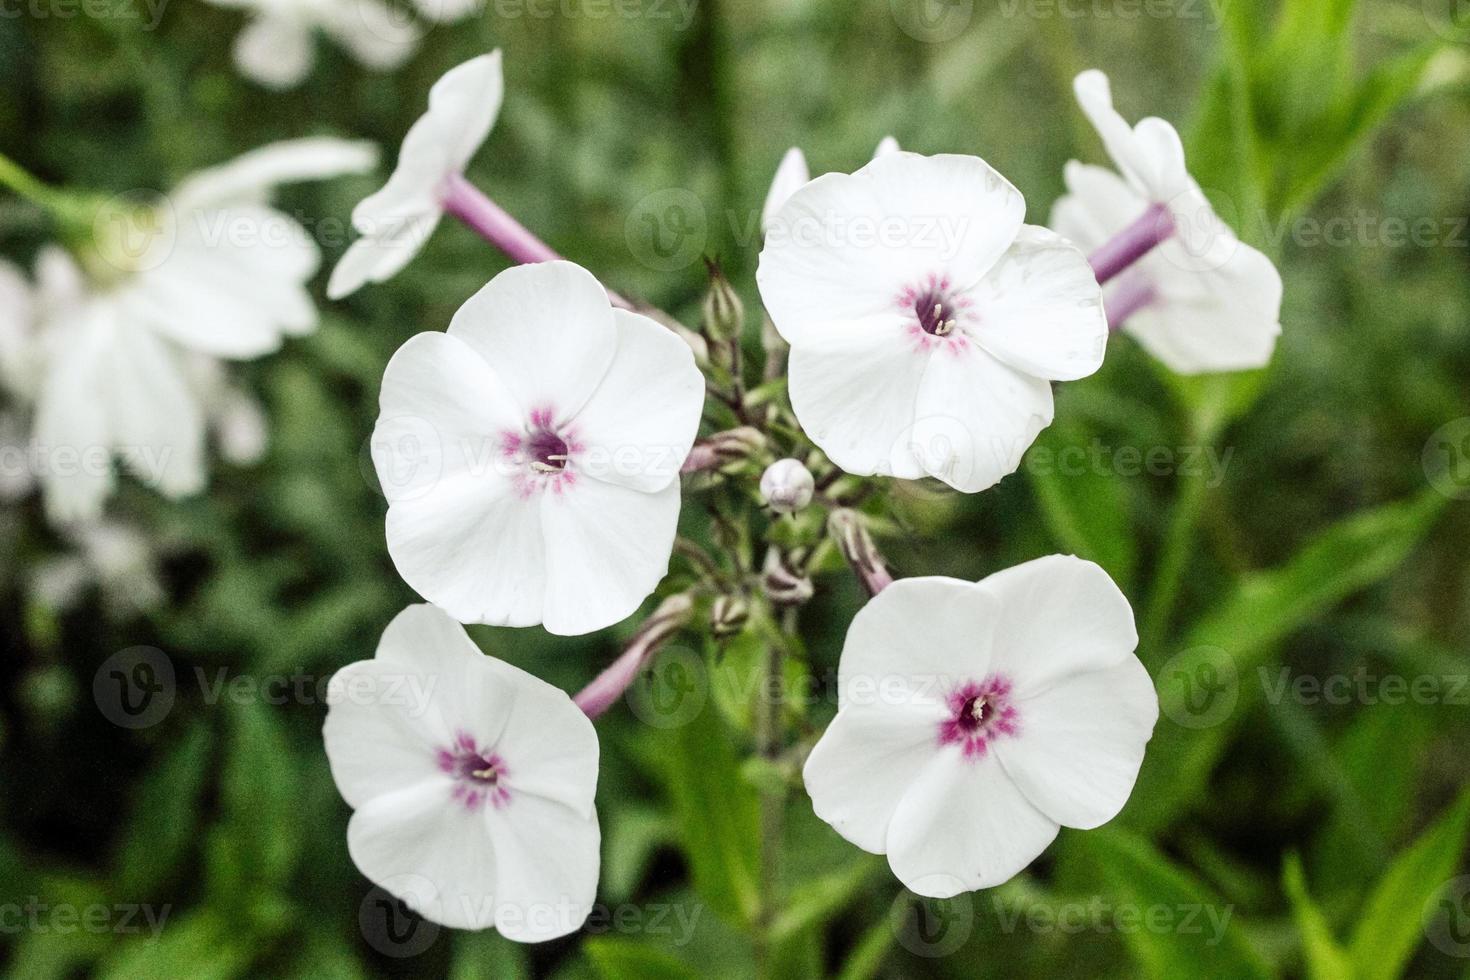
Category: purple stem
[1128,297]
[608,686]
[1132,243]
[496,225]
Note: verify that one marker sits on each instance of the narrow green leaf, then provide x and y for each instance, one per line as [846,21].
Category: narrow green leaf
[164,816]
[715,811]
[488,956]
[626,959]
[1085,509]
[203,946]
[1392,923]
[1183,928]
[1325,957]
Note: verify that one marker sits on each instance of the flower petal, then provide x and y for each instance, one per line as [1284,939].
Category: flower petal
[640,422]
[1150,157]
[976,417]
[429,851]
[1098,204]
[250,177]
[607,548]
[547,860]
[792,174]
[466,101]
[854,389]
[1039,309]
[547,329]
[964,825]
[382,255]
[275,51]
[1058,616]
[861,767]
[549,746]
[914,641]
[1081,742]
[379,735]
[1221,319]
[378,35]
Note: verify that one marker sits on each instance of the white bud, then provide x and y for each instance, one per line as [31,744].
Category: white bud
[787,486]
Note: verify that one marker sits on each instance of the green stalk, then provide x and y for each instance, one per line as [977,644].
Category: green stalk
[1178,540]
[768,736]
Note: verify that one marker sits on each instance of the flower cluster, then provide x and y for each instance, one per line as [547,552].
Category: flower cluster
[531,456]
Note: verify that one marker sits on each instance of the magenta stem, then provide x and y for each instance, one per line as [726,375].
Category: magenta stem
[497,226]
[607,687]
[1126,299]
[1132,243]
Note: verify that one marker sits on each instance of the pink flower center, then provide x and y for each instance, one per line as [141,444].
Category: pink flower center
[539,456]
[936,307]
[478,774]
[979,714]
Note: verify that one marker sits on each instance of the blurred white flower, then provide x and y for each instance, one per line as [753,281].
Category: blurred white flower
[787,486]
[925,319]
[209,271]
[276,47]
[115,557]
[233,415]
[397,220]
[792,174]
[471,781]
[975,719]
[530,455]
[1202,300]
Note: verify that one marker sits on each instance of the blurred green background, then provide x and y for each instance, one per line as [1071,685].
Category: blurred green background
[1274,831]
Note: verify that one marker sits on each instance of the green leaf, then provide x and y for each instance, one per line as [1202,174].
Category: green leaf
[1085,507]
[814,902]
[715,811]
[253,850]
[488,956]
[1202,937]
[1325,957]
[203,946]
[626,959]
[1392,923]
[164,816]
[1239,634]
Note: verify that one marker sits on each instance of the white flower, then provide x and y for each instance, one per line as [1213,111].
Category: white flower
[276,46]
[792,174]
[1202,300]
[471,781]
[217,269]
[212,270]
[925,319]
[787,486]
[397,220]
[530,455]
[974,719]
[116,558]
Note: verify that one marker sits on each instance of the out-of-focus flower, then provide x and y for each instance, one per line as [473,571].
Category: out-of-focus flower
[233,415]
[210,270]
[471,782]
[276,48]
[530,455]
[115,557]
[792,174]
[976,719]
[397,220]
[925,319]
[1202,300]
[787,486]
